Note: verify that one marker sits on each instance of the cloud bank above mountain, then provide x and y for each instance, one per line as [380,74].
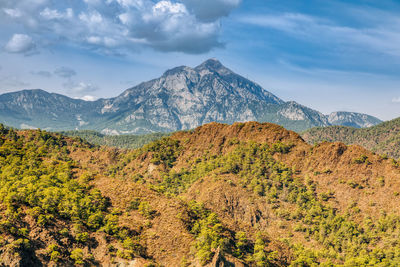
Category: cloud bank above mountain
[117,26]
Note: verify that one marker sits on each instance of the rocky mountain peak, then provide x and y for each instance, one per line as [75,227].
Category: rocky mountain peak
[183,98]
[177,70]
[214,66]
[209,66]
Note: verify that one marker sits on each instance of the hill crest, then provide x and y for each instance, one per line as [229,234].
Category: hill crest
[219,192]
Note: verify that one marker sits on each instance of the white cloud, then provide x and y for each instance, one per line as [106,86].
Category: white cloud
[131,3]
[166,7]
[14,13]
[124,25]
[20,43]
[64,72]
[50,14]
[84,87]
[80,88]
[94,40]
[170,26]
[91,18]
[396,100]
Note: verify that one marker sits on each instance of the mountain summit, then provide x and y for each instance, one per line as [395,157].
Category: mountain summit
[185,97]
[182,98]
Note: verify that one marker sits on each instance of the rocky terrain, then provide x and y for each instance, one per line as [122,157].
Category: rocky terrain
[352,119]
[182,98]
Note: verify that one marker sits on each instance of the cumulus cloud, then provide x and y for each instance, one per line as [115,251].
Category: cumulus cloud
[64,72]
[169,26]
[20,43]
[188,26]
[42,73]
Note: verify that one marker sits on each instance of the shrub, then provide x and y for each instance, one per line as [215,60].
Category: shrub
[360,160]
[146,210]
[77,256]
[82,237]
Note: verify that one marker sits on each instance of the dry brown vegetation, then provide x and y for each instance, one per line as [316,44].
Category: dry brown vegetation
[247,193]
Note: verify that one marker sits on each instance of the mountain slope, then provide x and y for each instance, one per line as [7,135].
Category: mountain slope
[352,119]
[40,109]
[243,194]
[383,138]
[295,117]
[182,98]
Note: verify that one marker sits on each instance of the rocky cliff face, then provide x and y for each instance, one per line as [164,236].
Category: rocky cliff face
[182,98]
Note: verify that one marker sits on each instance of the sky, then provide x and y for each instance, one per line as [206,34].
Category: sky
[329,55]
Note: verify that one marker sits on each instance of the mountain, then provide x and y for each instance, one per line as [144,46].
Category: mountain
[247,194]
[383,138]
[182,98]
[296,117]
[352,119]
[40,109]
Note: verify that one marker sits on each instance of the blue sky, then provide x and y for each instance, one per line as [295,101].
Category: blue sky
[328,55]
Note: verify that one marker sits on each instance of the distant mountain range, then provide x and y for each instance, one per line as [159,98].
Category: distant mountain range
[383,138]
[182,98]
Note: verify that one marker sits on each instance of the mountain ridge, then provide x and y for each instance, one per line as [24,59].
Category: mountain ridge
[383,138]
[246,194]
[182,98]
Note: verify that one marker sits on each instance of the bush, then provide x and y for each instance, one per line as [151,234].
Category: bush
[77,256]
[146,210]
[82,237]
[360,160]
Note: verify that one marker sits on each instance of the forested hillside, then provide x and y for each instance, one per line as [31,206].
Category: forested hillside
[121,141]
[383,138]
[246,194]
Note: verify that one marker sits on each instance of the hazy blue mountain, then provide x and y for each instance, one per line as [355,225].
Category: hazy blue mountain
[352,119]
[182,98]
[40,109]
